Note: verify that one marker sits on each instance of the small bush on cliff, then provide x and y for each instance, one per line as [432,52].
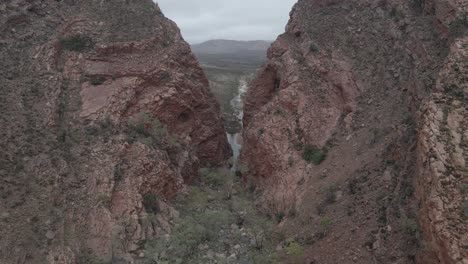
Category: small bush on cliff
[313,154]
[330,194]
[329,198]
[464,188]
[459,27]
[165,76]
[97,80]
[325,225]
[464,211]
[76,43]
[313,47]
[418,5]
[455,91]
[395,13]
[260,131]
[146,128]
[260,257]
[294,250]
[410,226]
[150,202]
[118,172]
[86,256]
[104,200]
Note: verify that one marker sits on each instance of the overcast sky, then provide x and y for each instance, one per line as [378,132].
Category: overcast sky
[201,20]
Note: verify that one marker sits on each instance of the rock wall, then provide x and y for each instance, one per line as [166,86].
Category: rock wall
[106,115]
[442,155]
[342,88]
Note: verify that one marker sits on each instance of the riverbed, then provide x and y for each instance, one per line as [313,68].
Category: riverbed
[235,139]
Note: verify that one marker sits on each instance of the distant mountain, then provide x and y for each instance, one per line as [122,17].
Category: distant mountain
[223,46]
[231,54]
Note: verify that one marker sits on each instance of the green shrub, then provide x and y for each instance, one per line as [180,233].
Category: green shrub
[105,123]
[330,194]
[86,256]
[307,237]
[165,76]
[146,128]
[91,130]
[207,218]
[410,226]
[104,200]
[313,47]
[185,239]
[190,232]
[279,216]
[76,43]
[197,199]
[299,146]
[325,225]
[173,141]
[97,80]
[150,202]
[294,250]
[118,173]
[418,5]
[353,186]
[214,177]
[260,131]
[138,124]
[454,90]
[213,221]
[459,27]
[279,111]
[464,211]
[313,154]
[262,257]
[464,188]
[394,12]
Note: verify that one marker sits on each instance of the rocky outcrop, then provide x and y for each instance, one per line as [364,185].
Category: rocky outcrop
[106,115]
[442,157]
[330,127]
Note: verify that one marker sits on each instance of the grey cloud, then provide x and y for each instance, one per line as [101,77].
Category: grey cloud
[228,19]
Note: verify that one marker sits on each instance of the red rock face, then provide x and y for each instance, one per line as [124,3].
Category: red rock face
[119,118]
[442,159]
[149,76]
[350,77]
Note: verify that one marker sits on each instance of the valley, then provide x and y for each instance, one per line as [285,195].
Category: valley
[344,140]
[230,66]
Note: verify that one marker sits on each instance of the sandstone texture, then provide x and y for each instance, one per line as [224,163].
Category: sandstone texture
[105,116]
[376,92]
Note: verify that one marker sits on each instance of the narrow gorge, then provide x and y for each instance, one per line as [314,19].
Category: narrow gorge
[345,140]
[235,137]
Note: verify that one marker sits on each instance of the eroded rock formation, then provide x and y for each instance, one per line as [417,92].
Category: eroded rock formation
[105,115]
[442,156]
[373,95]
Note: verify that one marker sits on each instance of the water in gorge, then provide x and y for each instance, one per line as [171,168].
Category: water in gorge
[235,137]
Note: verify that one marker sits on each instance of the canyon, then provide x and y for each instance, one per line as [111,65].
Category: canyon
[230,67]
[348,145]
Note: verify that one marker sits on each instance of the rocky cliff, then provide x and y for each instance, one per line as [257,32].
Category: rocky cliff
[105,114]
[441,179]
[355,131]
